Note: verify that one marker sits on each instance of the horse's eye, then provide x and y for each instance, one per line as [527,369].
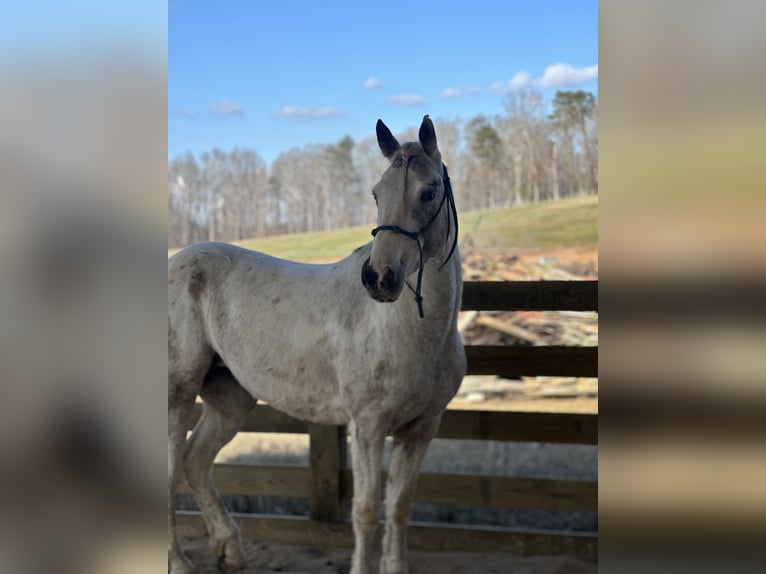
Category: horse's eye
[427,196]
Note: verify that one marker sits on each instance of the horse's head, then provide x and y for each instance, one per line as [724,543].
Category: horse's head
[413,224]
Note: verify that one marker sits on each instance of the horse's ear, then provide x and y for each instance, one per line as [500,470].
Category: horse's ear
[427,136]
[386,140]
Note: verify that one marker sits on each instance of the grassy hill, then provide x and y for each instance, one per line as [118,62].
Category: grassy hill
[566,223]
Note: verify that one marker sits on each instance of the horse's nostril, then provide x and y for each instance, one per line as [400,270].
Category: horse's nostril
[389,279]
[369,275]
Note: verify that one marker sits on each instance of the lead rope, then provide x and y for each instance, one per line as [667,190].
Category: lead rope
[448,197]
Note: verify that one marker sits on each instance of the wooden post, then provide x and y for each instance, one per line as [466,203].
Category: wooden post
[327,457]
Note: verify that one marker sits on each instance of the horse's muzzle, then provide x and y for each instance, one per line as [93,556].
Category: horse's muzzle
[383,287]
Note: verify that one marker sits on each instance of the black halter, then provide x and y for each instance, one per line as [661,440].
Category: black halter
[415,236]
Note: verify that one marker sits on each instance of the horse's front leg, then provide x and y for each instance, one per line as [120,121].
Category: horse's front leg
[406,456]
[366,452]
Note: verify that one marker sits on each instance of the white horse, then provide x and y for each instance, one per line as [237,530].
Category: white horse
[314,342]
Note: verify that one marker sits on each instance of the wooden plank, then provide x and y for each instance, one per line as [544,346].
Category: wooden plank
[508,492]
[571,428]
[513,362]
[530,295]
[499,491]
[257,480]
[421,536]
[494,491]
[327,456]
[275,529]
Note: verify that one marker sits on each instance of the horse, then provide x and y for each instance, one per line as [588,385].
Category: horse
[333,344]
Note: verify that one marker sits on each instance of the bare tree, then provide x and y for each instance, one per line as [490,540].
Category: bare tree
[487,147]
[525,129]
[523,155]
[369,163]
[184,186]
[572,112]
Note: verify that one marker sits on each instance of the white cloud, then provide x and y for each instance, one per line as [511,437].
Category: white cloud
[185,114]
[407,100]
[295,113]
[562,75]
[372,83]
[520,81]
[449,93]
[497,88]
[224,108]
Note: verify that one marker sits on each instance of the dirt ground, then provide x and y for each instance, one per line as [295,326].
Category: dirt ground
[263,558]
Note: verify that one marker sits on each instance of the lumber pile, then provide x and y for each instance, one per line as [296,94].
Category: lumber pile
[531,328]
[502,266]
[481,388]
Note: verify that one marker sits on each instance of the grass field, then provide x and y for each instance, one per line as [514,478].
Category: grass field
[565,223]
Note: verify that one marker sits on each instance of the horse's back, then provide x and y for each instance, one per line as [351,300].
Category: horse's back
[204,268]
[201,257]
[206,258]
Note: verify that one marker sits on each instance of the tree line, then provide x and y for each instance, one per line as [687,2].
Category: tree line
[536,151]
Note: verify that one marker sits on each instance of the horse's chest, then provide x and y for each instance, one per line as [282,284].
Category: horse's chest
[401,390]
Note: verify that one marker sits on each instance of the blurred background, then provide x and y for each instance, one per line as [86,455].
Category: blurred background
[681,140]
[83,148]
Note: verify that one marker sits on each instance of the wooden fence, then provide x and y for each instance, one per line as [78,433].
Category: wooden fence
[327,482]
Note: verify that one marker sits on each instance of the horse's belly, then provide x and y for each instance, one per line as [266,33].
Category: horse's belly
[309,399]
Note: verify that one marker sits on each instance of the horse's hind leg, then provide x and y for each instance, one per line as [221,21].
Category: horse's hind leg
[226,406]
[408,450]
[181,397]
[189,358]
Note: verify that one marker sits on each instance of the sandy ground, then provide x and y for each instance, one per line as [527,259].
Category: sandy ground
[263,558]
[585,405]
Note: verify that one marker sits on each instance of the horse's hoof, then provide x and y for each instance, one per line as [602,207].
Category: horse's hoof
[393,567]
[226,568]
[180,566]
[230,558]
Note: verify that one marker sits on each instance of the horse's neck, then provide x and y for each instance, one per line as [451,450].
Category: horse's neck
[441,295]
[447,282]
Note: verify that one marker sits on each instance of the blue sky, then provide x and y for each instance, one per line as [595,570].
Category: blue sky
[272,75]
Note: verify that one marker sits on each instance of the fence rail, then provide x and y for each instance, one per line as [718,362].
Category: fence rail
[530,296]
[495,491]
[572,428]
[327,481]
